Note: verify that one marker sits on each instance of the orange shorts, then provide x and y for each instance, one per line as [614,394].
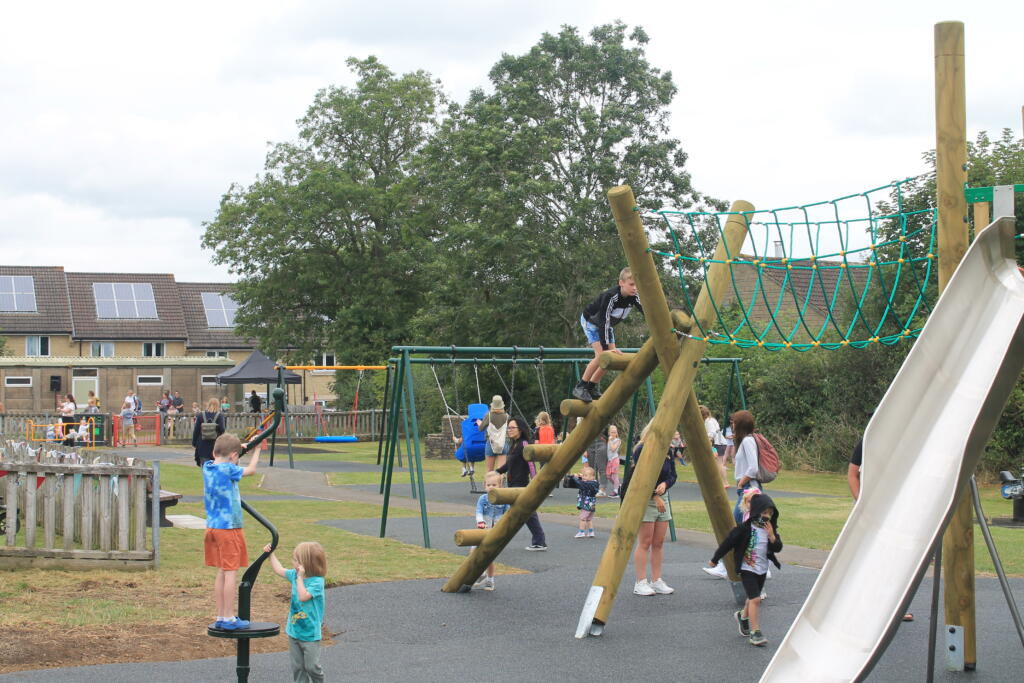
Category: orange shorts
[225,549]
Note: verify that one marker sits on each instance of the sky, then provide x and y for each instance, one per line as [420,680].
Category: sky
[124,123]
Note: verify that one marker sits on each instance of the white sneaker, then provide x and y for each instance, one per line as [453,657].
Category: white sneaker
[580,534]
[718,571]
[601,494]
[662,588]
[769,575]
[488,583]
[643,588]
[764,595]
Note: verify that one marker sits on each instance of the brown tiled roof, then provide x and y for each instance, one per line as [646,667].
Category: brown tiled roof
[53,314]
[170,324]
[200,334]
[828,279]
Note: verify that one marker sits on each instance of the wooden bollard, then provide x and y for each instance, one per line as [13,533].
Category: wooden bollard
[540,452]
[467,537]
[572,407]
[615,361]
[505,496]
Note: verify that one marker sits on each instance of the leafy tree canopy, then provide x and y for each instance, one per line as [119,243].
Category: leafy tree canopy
[327,255]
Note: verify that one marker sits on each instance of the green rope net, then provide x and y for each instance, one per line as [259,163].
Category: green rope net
[848,272]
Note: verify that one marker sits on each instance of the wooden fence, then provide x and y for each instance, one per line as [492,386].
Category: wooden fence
[77,509]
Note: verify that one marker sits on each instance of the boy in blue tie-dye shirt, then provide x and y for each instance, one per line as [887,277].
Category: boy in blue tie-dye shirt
[224,543]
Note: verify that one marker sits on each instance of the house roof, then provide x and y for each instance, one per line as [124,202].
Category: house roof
[169,325]
[200,334]
[53,310]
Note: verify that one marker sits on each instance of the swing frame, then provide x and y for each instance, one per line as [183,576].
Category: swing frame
[400,421]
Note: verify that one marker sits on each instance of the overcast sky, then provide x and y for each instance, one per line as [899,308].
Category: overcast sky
[124,123]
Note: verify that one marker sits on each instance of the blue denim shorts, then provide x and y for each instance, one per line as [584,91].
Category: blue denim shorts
[593,334]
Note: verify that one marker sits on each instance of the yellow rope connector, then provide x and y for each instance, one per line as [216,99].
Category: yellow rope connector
[873,339]
[903,238]
[789,267]
[904,333]
[813,257]
[728,261]
[931,255]
[788,344]
[845,342]
[842,265]
[843,254]
[760,342]
[872,263]
[815,343]
[872,247]
[814,267]
[901,261]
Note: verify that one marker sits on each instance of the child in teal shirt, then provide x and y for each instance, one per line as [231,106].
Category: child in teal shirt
[306,611]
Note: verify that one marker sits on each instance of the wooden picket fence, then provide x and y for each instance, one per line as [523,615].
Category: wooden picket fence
[77,509]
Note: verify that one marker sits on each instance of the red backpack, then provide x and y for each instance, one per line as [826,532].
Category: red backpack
[768,464]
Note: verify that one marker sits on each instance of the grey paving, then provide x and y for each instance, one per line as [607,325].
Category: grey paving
[410,631]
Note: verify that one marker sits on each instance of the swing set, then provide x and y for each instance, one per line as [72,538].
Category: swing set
[400,416]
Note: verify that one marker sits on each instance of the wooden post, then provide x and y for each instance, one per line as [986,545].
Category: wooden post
[531,497]
[951,176]
[680,364]
[981,216]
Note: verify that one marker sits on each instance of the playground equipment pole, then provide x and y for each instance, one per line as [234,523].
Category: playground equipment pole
[678,401]
[951,177]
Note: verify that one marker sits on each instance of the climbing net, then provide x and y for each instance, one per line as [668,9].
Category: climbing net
[847,272]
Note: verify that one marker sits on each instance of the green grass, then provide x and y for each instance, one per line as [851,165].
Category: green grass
[815,521]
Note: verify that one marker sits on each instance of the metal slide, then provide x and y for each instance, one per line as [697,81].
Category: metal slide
[920,449]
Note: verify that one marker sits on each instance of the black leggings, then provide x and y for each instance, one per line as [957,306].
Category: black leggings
[752,583]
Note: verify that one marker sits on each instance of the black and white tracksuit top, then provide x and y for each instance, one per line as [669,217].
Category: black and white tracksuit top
[608,310]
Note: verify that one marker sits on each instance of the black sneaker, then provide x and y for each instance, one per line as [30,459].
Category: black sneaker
[595,391]
[744,624]
[580,391]
[757,639]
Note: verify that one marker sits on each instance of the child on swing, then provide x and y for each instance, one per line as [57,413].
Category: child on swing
[487,515]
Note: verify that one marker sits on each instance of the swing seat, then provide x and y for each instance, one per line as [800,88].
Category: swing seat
[257,629]
[473,440]
[336,439]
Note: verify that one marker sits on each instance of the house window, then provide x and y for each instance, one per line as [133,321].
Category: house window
[220,309]
[124,300]
[326,359]
[149,380]
[37,346]
[85,372]
[17,293]
[17,381]
[152,349]
[102,349]
[216,354]
[208,380]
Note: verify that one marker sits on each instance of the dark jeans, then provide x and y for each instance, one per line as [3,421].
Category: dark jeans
[533,524]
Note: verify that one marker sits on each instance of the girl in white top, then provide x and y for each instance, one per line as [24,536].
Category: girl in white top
[612,469]
[745,470]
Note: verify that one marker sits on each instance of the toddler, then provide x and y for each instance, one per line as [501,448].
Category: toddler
[586,500]
[306,609]
[487,515]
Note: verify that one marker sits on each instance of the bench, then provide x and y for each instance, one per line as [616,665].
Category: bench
[167,499]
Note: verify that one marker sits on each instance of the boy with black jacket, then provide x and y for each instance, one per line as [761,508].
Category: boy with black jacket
[754,543]
[598,319]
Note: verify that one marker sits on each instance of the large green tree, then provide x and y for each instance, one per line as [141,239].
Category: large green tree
[327,255]
[517,177]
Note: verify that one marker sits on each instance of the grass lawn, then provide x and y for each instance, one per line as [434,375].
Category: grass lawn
[815,521]
[97,611]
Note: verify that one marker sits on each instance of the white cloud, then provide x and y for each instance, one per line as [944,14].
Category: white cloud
[134,118]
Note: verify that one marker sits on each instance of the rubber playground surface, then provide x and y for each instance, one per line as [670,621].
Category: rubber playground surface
[523,631]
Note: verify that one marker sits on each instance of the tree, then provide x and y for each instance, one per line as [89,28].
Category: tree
[323,241]
[517,178]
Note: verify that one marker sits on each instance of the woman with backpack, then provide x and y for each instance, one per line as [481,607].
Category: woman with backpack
[746,466]
[495,423]
[209,424]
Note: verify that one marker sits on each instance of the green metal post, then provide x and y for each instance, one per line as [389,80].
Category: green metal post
[384,414]
[287,432]
[416,463]
[632,430]
[389,460]
[408,438]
